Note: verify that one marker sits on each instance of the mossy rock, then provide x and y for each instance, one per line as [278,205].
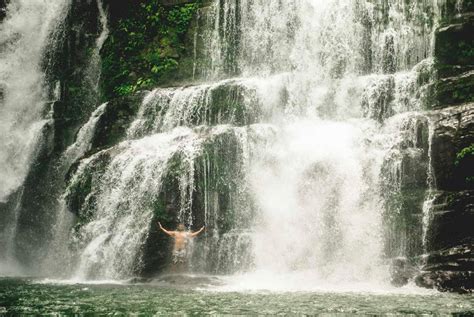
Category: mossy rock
[455,44]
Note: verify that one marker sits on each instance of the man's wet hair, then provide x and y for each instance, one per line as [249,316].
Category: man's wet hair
[181,227]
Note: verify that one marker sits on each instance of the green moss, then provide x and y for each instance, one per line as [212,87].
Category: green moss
[145,49]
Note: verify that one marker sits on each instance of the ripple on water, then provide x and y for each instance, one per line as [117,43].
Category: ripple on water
[38,297]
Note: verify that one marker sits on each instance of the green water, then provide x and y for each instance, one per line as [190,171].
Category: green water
[29,296]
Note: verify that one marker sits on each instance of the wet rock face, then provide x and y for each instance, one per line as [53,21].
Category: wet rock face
[454,131]
[456,89]
[452,221]
[113,124]
[451,269]
[455,43]
[454,52]
[449,239]
[405,191]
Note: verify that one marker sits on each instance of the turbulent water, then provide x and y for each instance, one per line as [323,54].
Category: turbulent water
[292,148]
[163,297]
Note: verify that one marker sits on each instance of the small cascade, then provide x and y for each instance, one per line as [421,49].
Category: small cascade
[8,230]
[431,194]
[233,101]
[64,220]
[404,177]
[84,138]
[93,70]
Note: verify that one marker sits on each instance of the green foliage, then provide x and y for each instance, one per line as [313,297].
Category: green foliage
[181,16]
[467,152]
[144,49]
[465,163]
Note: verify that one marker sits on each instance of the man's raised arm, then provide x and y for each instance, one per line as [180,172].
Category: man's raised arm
[197,232]
[171,233]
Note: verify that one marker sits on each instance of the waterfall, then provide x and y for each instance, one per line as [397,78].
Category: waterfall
[431,194]
[84,138]
[294,149]
[93,70]
[26,34]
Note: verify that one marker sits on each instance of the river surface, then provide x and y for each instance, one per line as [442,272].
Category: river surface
[198,295]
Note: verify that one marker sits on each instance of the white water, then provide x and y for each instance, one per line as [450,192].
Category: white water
[94,68]
[317,186]
[24,36]
[234,101]
[84,138]
[128,185]
[319,206]
[431,194]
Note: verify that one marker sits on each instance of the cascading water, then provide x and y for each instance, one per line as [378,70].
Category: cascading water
[292,156]
[317,186]
[93,70]
[26,34]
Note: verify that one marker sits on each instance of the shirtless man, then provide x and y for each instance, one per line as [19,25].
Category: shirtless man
[181,239]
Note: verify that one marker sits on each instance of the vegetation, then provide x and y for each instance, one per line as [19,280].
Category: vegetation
[465,163]
[145,48]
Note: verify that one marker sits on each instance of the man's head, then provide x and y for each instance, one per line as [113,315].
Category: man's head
[181,227]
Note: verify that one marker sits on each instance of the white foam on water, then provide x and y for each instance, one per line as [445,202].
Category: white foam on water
[81,282]
[307,282]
